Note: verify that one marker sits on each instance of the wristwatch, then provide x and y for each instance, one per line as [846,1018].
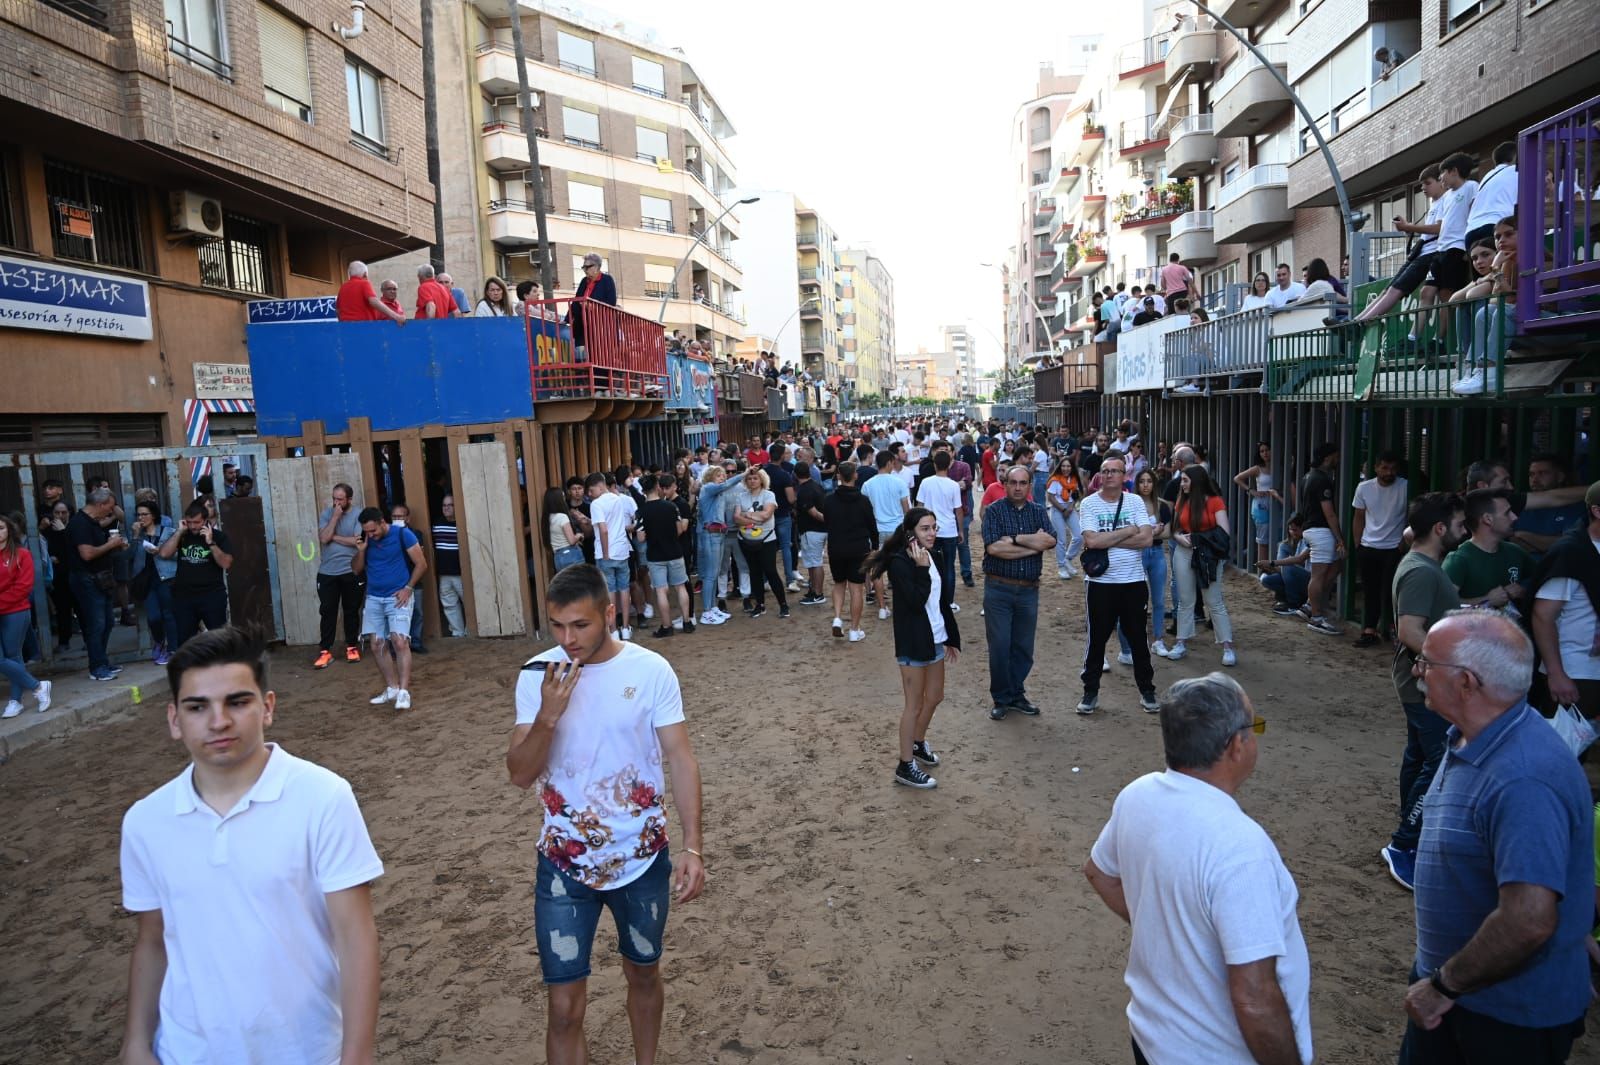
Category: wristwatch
[1436,981]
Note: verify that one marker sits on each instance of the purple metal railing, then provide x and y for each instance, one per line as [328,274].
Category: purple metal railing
[1558,168]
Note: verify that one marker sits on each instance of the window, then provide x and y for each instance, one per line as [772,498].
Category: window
[94,12]
[586,201]
[580,127]
[195,34]
[242,259]
[364,90]
[1459,11]
[652,144]
[95,218]
[575,53]
[658,281]
[655,213]
[649,76]
[285,68]
[11,229]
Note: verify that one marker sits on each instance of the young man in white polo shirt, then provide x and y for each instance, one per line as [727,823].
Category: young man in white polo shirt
[251,874]
[597,721]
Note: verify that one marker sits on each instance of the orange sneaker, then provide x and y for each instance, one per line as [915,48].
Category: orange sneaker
[324,660]
[352,654]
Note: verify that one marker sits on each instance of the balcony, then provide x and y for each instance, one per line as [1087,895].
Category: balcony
[1143,62]
[811,278]
[811,312]
[1040,178]
[1231,344]
[806,240]
[625,356]
[1191,146]
[1191,48]
[1192,238]
[1045,214]
[1247,95]
[1086,258]
[497,69]
[1253,205]
[1058,276]
[1242,13]
[1094,205]
[1066,178]
[1088,145]
[1154,208]
[1141,136]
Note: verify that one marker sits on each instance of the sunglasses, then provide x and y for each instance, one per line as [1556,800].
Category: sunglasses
[1258,726]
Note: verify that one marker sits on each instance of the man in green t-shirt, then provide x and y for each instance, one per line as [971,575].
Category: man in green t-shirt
[1489,570]
[1422,595]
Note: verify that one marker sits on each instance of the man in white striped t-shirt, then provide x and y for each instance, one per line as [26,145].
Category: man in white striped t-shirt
[1116,522]
[447,559]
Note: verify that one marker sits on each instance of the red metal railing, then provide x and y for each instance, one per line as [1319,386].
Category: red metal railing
[1558,277]
[580,348]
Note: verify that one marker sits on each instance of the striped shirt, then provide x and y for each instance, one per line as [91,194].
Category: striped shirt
[1002,520]
[446,550]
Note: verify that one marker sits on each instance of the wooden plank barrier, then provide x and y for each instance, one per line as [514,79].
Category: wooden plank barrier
[489,515]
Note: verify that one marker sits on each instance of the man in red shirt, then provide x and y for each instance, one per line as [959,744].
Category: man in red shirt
[433,299]
[755,454]
[357,302]
[389,296]
[987,461]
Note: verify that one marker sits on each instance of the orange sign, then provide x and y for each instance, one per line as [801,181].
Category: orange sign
[75,221]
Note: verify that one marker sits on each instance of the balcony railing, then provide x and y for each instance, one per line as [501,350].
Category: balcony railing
[656,289]
[1163,201]
[1406,76]
[649,90]
[579,349]
[1255,178]
[1186,124]
[805,238]
[657,225]
[577,68]
[1041,177]
[1377,362]
[1191,220]
[1235,343]
[1151,131]
[587,216]
[1558,283]
[1142,54]
[1277,53]
[581,142]
[1053,384]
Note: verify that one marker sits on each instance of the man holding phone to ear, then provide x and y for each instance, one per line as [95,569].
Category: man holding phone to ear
[597,720]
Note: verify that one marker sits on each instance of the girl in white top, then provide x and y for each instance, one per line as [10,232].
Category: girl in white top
[1257,296]
[496,302]
[1257,480]
[565,539]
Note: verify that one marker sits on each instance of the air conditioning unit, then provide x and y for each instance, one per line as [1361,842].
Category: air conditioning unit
[194,215]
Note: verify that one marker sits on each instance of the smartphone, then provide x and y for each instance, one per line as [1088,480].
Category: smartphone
[544,667]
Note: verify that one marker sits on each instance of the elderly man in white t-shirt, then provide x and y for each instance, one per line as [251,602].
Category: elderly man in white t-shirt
[1217,970]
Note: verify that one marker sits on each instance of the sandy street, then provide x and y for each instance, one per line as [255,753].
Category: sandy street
[847,920]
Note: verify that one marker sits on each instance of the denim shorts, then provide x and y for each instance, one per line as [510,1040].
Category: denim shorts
[938,656]
[383,617]
[617,571]
[811,546]
[668,574]
[566,914]
[568,556]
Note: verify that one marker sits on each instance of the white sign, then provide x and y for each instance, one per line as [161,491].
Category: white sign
[222,380]
[1142,354]
[39,295]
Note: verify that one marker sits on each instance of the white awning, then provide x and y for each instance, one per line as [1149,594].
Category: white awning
[1173,94]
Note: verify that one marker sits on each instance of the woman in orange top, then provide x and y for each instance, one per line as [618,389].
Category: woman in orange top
[1061,500]
[1200,508]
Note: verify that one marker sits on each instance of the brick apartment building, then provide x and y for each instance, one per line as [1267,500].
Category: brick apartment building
[163,163]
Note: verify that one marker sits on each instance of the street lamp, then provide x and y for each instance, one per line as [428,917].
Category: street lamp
[1042,319]
[699,240]
[778,336]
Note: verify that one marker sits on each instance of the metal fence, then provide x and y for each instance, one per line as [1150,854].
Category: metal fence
[1234,343]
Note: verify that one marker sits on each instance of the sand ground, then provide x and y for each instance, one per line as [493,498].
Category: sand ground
[847,920]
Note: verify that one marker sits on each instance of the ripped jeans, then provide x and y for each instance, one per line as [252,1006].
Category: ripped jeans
[566,914]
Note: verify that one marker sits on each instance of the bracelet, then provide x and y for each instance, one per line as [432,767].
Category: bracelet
[696,853]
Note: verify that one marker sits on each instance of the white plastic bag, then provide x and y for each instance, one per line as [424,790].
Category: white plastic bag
[1575,730]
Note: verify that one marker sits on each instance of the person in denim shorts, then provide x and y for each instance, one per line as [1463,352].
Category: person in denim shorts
[392,559]
[598,720]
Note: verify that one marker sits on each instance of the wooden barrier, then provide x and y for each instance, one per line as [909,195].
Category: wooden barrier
[490,532]
[301,488]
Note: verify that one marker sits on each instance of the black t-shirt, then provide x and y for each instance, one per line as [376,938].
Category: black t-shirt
[1174,485]
[660,520]
[84,531]
[1089,465]
[780,479]
[808,495]
[1316,487]
[198,572]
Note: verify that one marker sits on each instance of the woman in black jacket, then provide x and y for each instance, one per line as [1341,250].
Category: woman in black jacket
[925,636]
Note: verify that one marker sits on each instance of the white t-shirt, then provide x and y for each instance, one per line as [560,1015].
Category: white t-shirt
[885,493]
[560,531]
[1386,512]
[604,820]
[942,496]
[935,615]
[1282,297]
[1205,889]
[1453,219]
[1096,515]
[1435,213]
[1042,461]
[1252,301]
[616,510]
[901,435]
[1575,626]
[1496,198]
[907,475]
[251,971]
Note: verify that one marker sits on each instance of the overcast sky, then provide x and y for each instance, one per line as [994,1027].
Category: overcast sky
[890,120]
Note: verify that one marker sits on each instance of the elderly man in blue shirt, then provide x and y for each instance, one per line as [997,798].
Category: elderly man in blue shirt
[1015,537]
[1505,874]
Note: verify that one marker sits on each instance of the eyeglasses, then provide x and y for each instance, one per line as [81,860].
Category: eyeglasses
[1423,664]
[1258,726]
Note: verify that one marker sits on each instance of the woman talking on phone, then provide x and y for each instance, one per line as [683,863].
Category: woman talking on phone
[925,636]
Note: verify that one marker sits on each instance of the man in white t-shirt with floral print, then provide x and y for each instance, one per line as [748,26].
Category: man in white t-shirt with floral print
[597,722]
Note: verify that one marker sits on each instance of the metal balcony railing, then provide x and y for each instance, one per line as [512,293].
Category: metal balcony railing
[1190,220]
[1277,53]
[1558,280]
[657,225]
[1235,343]
[656,289]
[580,348]
[1255,178]
[1186,124]
[1145,53]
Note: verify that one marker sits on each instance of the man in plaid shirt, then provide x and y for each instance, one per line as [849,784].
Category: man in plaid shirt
[1016,534]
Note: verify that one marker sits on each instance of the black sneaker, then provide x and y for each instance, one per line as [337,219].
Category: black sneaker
[783,611]
[418,649]
[1149,703]
[872,597]
[1022,706]
[758,611]
[688,626]
[923,753]
[1089,703]
[812,600]
[722,604]
[749,605]
[1284,610]
[1367,639]
[911,775]
[665,630]
[998,712]
[967,580]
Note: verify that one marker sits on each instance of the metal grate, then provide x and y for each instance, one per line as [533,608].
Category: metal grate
[242,259]
[113,207]
[96,13]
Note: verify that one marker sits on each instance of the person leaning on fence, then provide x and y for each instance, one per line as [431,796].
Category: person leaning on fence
[596,285]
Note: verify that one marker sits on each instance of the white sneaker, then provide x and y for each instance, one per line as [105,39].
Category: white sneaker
[1475,384]
[402,700]
[1178,651]
[857,635]
[649,611]
[711,618]
[838,626]
[883,613]
[1125,658]
[388,696]
[722,616]
[13,708]
[955,608]
[1159,649]
[42,693]
[1064,574]
[1105,665]
[677,623]
[1072,571]
[1228,657]
[794,585]
[626,634]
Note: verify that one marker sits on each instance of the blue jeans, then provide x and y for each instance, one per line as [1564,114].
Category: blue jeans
[713,557]
[963,548]
[13,631]
[568,556]
[416,616]
[1061,526]
[1288,584]
[1010,616]
[158,612]
[1039,482]
[784,527]
[944,554]
[98,616]
[1155,570]
[566,913]
[1425,737]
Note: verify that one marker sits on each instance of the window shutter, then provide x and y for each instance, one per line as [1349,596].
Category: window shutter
[284,66]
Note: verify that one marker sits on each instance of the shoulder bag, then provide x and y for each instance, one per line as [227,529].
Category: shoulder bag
[1096,560]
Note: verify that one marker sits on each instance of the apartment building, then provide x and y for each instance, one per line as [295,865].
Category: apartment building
[1034,254]
[869,339]
[631,152]
[958,342]
[796,285]
[164,163]
[939,375]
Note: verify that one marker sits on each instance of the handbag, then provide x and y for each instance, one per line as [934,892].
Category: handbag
[1575,730]
[1096,560]
[104,580]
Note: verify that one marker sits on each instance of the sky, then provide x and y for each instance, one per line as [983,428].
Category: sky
[890,120]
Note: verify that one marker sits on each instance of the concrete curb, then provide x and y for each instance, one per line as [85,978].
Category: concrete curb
[79,703]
